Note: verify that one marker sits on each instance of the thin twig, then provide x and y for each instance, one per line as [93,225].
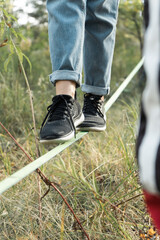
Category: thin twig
[30,98]
[40,207]
[123,202]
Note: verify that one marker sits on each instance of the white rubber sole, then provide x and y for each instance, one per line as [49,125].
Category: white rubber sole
[66,137]
[91,129]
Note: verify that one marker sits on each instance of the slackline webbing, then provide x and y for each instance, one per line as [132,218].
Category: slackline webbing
[31,167]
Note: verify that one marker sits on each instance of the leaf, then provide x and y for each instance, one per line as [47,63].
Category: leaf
[11,47]
[94,183]
[73,170]
[3,44]
[14,32]
[8,15]
[7,61]
[29,62]
[20,54]
[62,220]
[21,35]
[5,12]
[63,164]
[13,17]
[2,24]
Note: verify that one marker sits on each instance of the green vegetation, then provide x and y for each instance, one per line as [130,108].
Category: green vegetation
[98,175]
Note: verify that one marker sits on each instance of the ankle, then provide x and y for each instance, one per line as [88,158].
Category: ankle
[102,98]
[66,87]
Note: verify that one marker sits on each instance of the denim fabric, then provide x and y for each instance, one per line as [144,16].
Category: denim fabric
[82,34]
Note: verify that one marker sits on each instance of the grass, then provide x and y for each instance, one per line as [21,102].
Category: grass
[98,175]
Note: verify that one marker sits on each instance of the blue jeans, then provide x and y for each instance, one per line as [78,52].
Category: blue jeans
[82,35]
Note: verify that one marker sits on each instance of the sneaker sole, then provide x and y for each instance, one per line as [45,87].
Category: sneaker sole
[91,129]
[66,137]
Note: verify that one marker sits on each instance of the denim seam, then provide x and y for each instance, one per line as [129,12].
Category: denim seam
[80,57]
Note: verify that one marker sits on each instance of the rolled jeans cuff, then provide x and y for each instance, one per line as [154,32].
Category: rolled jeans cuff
[66,75]
[95,90]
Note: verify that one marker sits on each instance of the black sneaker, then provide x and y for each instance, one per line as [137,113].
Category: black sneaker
[93,110]
[59,125]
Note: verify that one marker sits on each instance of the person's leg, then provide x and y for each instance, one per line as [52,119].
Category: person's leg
[66,87]
[100,30]
[66,37]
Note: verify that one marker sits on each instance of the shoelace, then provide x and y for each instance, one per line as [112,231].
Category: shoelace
[93,104]
[55,110]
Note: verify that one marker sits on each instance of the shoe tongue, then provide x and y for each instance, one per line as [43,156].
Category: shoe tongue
[61,107]
[93,104]
[93,97]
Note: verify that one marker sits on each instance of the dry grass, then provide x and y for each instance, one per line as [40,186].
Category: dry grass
[97,175]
